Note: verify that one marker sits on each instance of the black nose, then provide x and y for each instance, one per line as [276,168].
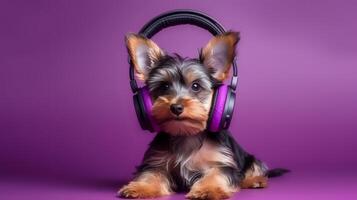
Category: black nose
[176,109]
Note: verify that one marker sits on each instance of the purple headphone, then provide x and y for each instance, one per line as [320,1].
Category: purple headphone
[222,107]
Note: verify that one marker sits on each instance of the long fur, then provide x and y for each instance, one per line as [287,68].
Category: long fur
[171,154]
[185,156]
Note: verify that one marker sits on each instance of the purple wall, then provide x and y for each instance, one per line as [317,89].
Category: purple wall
[65,103]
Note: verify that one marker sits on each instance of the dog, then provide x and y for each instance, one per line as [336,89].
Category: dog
[184,156]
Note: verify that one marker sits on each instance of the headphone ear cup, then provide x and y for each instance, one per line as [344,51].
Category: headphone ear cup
[217,108]
[211,112]
[140,110]
[143,108]
[221,109]
[228,109]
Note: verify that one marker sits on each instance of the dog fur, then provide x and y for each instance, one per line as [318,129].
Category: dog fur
[184,156]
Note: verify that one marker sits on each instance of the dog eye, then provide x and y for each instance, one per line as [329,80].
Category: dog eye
[164,86]
[196,87]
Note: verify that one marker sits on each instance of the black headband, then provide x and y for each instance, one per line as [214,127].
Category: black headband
[179,17]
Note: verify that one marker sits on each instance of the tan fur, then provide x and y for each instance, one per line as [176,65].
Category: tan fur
[230,39]
[255,178]
[147,185]
[255,170]
[212,186]
[134,43]
[190,77]
[161,108]
[211,155]
[254,182]
[192,120]
[207,157]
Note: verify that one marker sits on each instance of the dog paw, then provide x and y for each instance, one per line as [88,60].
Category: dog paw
[140,190]
[209,193]
[261,182]
[255,182]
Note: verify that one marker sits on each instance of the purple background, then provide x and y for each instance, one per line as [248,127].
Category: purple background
[67,124]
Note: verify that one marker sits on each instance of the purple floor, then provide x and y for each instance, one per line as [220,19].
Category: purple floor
[296,185]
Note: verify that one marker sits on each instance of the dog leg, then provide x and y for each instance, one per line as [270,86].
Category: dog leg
[214,185]
[146,185]
[255,176]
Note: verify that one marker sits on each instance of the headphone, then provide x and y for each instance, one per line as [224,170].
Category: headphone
[222,106]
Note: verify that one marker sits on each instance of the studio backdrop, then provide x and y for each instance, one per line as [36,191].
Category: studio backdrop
[66,105]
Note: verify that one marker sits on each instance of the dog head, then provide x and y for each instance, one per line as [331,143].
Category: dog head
[182,88]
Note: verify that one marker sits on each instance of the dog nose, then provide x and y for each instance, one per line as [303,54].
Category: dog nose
[176,109]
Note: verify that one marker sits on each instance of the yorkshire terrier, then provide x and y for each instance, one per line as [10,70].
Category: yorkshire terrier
[184,156]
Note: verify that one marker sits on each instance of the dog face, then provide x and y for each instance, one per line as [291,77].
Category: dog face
[182,88]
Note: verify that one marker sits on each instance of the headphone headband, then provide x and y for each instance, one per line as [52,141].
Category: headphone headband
[180,17]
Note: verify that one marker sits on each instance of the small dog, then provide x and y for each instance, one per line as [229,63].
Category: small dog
[184,156]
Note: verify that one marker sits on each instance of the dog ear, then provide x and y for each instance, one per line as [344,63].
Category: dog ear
[143,54]
[219,53]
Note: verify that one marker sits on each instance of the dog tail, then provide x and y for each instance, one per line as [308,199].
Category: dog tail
[276,172]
